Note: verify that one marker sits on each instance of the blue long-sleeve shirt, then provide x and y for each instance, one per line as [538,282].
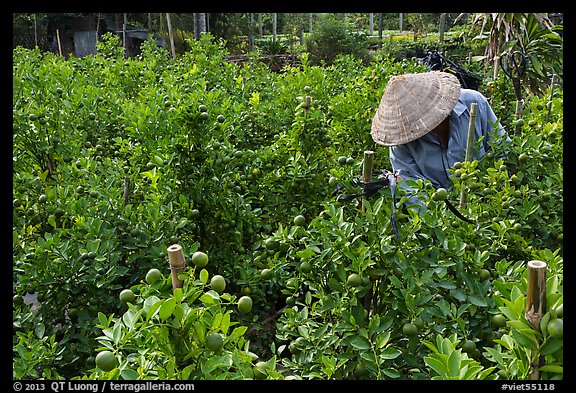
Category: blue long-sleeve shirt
[426,158]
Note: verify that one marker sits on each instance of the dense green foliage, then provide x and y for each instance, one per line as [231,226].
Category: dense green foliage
[116,159]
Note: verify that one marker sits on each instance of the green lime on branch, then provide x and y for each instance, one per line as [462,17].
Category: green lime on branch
[409,329]
[299,220]
[127,296]
[354,280]
[106,361]
[153,275]
[245,304]
[556,328]
[266,274]
[214,341]
[199,259]
[259,370]
[218,283]
[440,194]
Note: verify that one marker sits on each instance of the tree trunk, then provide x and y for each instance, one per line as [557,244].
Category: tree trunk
[401,22]
[371,19]
[274,21]
[260,25]
[170,35]
[442,27]
[310,20]
[250,33]
[199,24]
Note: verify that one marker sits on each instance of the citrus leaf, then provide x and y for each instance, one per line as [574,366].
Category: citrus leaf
[128,374]
[477,301]
[39,330]
[360,342]
[552,368]
[390,353]
[166,309]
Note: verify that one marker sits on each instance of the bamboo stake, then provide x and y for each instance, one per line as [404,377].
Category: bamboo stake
[469,144]
[549,104]
[367,170]
[367,167]
[518,114]
[126,189]
[177,264]
[536,303]
[59,44]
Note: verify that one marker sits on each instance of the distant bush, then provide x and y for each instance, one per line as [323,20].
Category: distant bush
[333,37]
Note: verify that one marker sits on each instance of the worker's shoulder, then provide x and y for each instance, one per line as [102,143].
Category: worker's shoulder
[469,95]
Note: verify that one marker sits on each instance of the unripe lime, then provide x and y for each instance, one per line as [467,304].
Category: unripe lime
[199,259]
[266,274]
[245,304]
[127,296]
[106,361]
[259,370]
[354,280]
[305,267]
[214,341]
[153,275]
[468,346]
[218,283]
[440,194]
[299,220]
[409,329]
[556,328]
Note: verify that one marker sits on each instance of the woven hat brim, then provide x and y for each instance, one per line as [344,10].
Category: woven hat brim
[413,105]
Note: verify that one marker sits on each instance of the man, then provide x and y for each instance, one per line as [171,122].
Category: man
[424,119]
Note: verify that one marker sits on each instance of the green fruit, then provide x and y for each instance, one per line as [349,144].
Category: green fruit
[523,158]
[153,275]
[299,220]
[560,311]
[342,160]
[203,108]
[266,274]
[214,341]
[354,280]
[271,244]
[360,371]
[221,118]
[43,198]
[468,346]
[290,301]
[350,161]
[245,304]
[556,328]
[409,329]
[259,370]
[484,274]
[332,182]
[499,321]
[218,283]
[440,194]
[106,361]
[199,259]
[127,296]
[305,267]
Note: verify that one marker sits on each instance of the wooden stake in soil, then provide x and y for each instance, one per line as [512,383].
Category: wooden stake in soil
[126,189]
[549,105]
[469,144]
[518,114]
[536,296]
[536,303]
[177,264]
[59,44]
[367,170]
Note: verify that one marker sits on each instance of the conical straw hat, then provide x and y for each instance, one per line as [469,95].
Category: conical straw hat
[413,105]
